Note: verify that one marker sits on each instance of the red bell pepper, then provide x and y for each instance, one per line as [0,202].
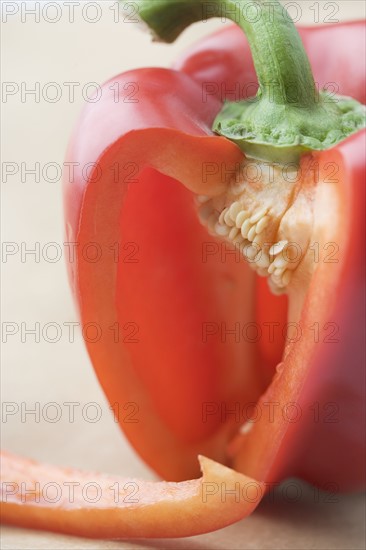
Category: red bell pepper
[217,364]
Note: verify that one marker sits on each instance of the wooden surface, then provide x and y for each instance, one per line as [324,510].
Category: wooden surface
[33,292]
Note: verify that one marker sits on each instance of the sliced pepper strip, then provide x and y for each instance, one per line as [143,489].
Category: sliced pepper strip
[95,505]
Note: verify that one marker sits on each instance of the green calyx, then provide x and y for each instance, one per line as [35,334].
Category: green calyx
[282,133]
[287,117]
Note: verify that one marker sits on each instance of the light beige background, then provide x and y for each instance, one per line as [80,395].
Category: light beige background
[33,292]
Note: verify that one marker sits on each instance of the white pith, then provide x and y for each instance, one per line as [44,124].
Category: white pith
[269,217]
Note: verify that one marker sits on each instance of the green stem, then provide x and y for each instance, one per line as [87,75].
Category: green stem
[287,117]
[279,57]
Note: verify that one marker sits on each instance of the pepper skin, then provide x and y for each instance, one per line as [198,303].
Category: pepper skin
[161,280]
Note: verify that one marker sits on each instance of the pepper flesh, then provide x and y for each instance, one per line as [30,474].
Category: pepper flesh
[170,433]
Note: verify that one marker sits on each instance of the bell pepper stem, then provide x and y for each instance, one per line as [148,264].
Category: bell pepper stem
[278,53]
[288,117]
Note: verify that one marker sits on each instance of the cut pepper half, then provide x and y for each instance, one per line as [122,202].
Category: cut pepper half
[184,291]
